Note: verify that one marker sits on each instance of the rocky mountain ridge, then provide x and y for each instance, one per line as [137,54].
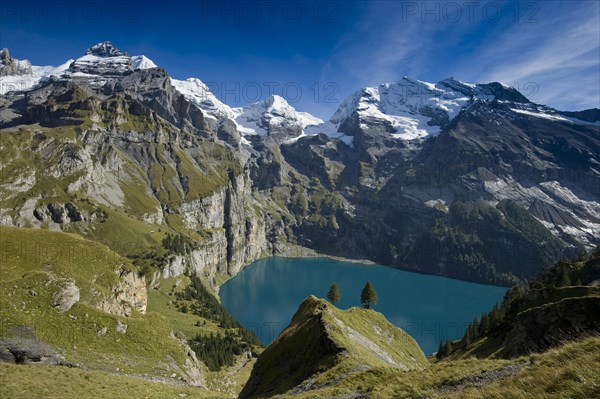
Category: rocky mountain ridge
[445,178]
[324,339]
[558,305]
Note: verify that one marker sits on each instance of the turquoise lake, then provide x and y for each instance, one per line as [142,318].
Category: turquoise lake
[265,295]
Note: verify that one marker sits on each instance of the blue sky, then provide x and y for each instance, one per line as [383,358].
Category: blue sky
[317,52]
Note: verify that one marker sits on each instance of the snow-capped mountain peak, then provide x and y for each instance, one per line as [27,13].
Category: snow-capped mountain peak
[100,61]
[198,93]
[142,62]
[277,107]
[276,104]
[20,75]
[107,50]
[274,114]
[104,49]
[412,109]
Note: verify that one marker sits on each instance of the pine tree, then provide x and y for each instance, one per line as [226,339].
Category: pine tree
[495,318]
[471,332]
[368,296]
[448,348]
[440,352]
[475,329]
[564,279]
[484,326]
[467,337]
[334,293]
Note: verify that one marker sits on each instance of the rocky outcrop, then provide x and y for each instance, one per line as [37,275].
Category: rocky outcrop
[66,296]
[11,67]
[550,325]
[127,296]
[28,350]
[192,371]
[558,305]
[58,213]
[121,327]
[175,267]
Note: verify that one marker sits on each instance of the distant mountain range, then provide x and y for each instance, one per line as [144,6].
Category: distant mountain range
[170,192]
[471,181]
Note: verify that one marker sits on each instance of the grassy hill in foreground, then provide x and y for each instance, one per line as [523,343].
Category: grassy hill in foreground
[569,371]
[51,382]
[323,342]
[40,267]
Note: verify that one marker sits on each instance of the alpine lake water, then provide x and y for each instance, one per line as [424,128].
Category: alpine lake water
[265,295]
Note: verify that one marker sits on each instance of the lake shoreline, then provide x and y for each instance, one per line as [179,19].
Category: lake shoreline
[294,251]
[264,296]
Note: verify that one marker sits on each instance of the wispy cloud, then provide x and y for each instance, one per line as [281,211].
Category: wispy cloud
[381,44]
[554,59]
[560,55]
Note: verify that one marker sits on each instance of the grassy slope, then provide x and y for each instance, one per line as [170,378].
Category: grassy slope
[373,325]
[28,280]
[40,261]
[570,371]
[51,382]
[162,300]
[323,344]
[123,234]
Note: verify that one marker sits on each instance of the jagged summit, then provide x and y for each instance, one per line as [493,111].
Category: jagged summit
[10,66]
[142,62]
[463,87]
[104,49]
[199,94]
[411,109]
[276,107]
[275,117]
[4,56]
[276,101]
[101,61]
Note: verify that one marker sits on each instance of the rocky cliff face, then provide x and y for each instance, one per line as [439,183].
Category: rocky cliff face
[465,180]
[237,234]
[551,325]
[128,294]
